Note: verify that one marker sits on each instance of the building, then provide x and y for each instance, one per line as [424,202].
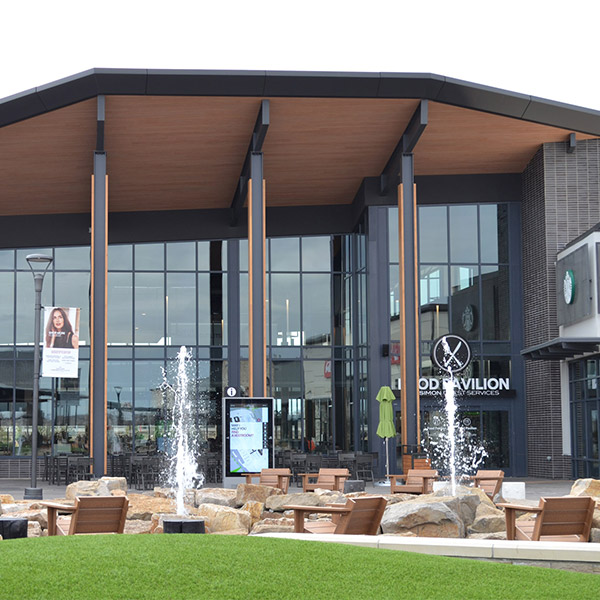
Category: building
[307,236]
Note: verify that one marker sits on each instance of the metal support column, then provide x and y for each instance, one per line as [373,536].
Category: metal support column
[410,355]
[99,251]
[256,276]
[233,309]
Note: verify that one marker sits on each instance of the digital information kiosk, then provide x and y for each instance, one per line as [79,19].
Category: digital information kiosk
[248,427]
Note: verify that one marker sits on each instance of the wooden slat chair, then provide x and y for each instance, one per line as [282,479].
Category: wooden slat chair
[417,481]
[566,519]
[277,478]
[359,516]
[326,479]
[90,514]
[489,481]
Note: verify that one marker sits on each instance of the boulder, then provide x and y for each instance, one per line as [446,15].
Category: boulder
[34,529]
[273,526]
[250,492]
[231,532]
[142,507]
[586,487]
[6,499]
[596,518]
[224,518]
[425,519]
[137,526]
[87,488]
[595,535]
[488,520]
[221,496]
[115,483]
[465,502]
[277,502]
[254,509]
[164,492]
[496,535]
[33,516]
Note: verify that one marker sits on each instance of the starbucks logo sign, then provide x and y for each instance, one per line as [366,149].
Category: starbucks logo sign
[569,286]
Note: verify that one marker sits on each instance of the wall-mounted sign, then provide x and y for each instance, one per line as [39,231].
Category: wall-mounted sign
[469,318]
[569,286]
[451,353]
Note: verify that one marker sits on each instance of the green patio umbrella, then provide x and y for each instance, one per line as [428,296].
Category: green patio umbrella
[386,428]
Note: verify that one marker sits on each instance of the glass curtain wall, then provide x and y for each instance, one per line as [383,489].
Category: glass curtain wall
[63,419]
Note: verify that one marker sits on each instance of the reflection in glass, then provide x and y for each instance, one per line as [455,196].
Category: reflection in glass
[119,416]
[463,234]
[6,406]
[119,314]
[434,301]
[393,234]
[71,410]
[433,235]
[316,254]
[495,302]
[7,308]
[466,317]
[120,257]
[318,410]
[149,257]
[285,310]
[180,305]
[147,405]
[26,304]
[316,290]
[344,405]
[181,256]
[149,308]
[286,388]
[7,259]
[342,311]
[285,254]
[72,258]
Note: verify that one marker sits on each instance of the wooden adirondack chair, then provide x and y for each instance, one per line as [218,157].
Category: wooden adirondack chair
[326,479]
[566,519]
[90,514]
[418,481]
[277,478]
[357,516]
[489,481]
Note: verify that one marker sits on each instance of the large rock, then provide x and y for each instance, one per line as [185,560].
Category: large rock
[223,518]
[425,519]
[33,516]
[221,496]
[115,483]
[273,526]
[137,526]
[488,519]
[34,529]
[464,502]
[87,488]
[250,492]
[277,502]
[596,518]
[254,509]
[142,507]
[586,487]
[595,535]
[6,499]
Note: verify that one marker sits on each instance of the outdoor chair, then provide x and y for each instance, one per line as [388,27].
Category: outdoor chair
[417,481]
[364,467]
[277,478]
[90,514]
[489,481]
[565,519]
[326,479]
[358,516]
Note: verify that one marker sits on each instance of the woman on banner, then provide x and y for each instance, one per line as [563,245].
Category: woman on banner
[59,332]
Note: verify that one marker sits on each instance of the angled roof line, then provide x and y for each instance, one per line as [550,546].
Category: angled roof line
[299,84]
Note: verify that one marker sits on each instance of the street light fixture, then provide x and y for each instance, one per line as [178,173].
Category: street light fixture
[118,390]
[38,263]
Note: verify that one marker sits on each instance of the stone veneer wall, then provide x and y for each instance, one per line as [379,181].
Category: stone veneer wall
[561,200]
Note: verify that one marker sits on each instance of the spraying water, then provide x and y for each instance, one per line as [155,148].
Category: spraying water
[182,471]
[451,448]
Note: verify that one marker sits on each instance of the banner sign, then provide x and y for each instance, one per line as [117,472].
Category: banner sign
[61,342]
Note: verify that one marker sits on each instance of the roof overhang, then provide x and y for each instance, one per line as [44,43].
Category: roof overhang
[561,349]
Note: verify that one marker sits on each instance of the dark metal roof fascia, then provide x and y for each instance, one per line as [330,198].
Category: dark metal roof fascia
[561,348]
[90,83]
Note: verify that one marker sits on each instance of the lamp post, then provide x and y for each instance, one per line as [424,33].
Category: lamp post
[118,390]
[38,263]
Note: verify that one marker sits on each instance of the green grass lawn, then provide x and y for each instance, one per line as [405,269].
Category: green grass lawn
[205,566]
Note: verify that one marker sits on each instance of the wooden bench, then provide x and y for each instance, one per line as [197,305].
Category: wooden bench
[359,516]
[90,514]
[417,481]
[489,481]
[566,519]
[326,479]
[277,478]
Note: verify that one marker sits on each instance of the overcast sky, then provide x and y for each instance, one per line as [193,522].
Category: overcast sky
[532,47]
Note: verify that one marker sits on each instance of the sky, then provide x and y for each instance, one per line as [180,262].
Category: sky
[533,47]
